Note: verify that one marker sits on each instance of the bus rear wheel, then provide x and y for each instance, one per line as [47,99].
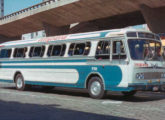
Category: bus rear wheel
[96,88]
[129,94]
[19,82]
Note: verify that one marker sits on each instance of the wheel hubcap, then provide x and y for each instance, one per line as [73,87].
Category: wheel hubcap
[95,88]
[19,82]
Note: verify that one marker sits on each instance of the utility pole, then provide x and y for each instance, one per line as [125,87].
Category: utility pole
[1,8]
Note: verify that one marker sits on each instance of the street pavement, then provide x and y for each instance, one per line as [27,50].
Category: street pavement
[71,104]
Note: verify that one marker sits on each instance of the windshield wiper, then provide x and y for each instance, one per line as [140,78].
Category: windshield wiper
[149,56]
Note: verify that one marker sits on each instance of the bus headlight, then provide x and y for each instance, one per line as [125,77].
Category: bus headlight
[140,76]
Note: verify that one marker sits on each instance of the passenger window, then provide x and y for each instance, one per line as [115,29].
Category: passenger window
[20,52]
[79,49]
[87,48]
[63,50]
[56,50]
[5,53]
[37,51]
[70,52]
[103,50]
[31,52]
[49,53]
[122,54]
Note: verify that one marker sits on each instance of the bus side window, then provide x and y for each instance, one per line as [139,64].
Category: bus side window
[37,51]
[56,50]
[49,53]
[87,48]
[122,52]
[20,52]
[42,51]
[71,48]
[79,49]
[63,50]
[103,50]
[5,53]
[31,52]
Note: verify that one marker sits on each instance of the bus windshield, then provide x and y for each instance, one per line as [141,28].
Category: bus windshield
[142,49]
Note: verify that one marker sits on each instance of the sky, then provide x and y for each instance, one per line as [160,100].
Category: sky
[11,6]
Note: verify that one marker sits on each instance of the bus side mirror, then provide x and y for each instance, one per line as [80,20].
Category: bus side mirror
[118,48]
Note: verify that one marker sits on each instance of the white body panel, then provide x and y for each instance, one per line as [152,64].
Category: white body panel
[68,76]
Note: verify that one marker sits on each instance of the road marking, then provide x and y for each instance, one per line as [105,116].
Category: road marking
[111,102]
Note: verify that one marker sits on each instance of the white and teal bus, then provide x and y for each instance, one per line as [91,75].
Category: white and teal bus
[113,60]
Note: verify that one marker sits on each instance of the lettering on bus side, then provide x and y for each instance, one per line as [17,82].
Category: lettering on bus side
[94,68]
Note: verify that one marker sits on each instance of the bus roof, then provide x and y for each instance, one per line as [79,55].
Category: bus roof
[78,36]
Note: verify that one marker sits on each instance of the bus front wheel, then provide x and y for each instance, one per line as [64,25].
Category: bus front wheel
[19,82]
[96,88]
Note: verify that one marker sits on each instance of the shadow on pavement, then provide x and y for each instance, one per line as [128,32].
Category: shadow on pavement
[20,111]
[139,97]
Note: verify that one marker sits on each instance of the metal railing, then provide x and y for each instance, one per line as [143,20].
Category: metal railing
[28,9]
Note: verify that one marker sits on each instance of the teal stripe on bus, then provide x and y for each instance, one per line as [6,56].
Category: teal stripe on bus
[51,84]
[41,66]
[44,61]
[8,81]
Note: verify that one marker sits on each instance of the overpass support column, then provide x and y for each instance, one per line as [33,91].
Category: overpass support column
[154,18]
[51,30]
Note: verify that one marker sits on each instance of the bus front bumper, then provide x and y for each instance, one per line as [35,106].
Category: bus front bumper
[148,87]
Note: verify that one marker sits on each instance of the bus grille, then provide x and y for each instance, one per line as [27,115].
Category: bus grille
[152,75]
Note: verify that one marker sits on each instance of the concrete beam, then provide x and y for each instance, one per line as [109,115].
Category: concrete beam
[118,21]
[65,12]
[84,27]
[154,17]
[52,30]
[5,39]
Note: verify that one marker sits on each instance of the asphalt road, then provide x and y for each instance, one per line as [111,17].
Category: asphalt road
[67,104]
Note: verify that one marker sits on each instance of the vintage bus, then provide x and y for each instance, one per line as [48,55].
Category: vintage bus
[114,60]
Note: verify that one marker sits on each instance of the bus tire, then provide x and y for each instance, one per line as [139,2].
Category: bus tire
[129,94]
[19,82]
[96,88]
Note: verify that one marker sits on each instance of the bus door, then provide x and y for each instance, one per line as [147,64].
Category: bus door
[119,58]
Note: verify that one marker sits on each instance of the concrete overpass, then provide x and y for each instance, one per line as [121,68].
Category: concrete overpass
[56,16]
